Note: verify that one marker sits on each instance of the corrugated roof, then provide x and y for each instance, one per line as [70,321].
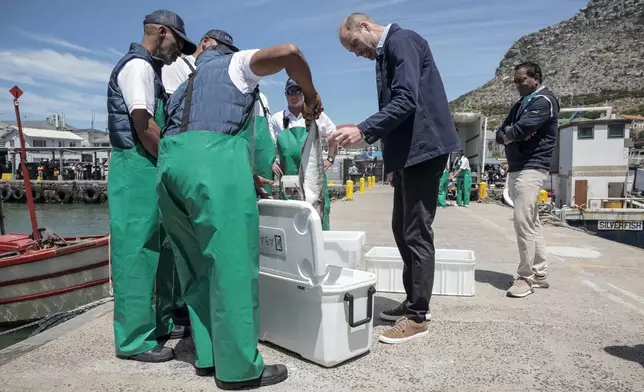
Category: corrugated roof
[49,134]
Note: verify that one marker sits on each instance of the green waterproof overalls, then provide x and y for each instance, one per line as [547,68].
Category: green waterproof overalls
[290,142]
[264,156]
[442,189]
[463,186]
[212,218]
[143,270]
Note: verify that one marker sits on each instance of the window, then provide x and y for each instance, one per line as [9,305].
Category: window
[616,131]
[40,143]
[60,144]
[585,133]
[72,144]
[12,143]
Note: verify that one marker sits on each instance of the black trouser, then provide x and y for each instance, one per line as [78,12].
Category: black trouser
[415,199]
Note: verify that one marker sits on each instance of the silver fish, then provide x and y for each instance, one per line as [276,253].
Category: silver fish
[311,176]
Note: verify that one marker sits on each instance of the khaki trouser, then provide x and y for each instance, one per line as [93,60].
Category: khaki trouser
[524,190]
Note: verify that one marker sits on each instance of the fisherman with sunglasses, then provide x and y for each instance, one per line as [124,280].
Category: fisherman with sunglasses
[289,129]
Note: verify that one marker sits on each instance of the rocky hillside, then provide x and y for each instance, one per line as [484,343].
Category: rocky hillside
[596,57]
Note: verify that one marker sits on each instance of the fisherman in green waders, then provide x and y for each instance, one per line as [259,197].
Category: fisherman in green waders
[463,176]
[443,186]
[290,132]
[207,199]
[142,269]
[178,72]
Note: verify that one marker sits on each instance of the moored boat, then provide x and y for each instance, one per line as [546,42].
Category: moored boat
[35,283]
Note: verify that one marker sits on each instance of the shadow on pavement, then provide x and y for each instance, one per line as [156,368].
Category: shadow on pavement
[381,304]
[629,353]
[499,280]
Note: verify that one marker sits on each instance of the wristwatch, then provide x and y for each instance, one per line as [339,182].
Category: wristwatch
[330,159]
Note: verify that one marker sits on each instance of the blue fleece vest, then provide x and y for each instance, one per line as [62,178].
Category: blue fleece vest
[217,105]
[119,121]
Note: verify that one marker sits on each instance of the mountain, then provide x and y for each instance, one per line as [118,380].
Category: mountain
[593,58]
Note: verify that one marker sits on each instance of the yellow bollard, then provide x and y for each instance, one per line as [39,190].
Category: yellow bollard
[373,180]
[483,190]
[543,196]
[349,190]
[362,184]
[369,183]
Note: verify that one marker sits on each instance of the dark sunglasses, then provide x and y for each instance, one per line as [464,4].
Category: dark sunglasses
[296,91]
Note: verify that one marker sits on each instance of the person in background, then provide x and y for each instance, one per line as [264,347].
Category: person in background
[142,269]
[289,130]
[463,176]
[178,72]
[207,198]
[443,186]
[418,133]
[529,133]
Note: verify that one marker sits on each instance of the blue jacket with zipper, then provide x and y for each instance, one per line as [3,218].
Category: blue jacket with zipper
[532,128]
[414,122]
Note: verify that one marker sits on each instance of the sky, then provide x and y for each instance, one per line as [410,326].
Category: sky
[62,52]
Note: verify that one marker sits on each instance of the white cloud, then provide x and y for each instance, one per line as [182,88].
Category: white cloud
[51,40]
[45,65]
[115,52]
[336,16]
[55,82]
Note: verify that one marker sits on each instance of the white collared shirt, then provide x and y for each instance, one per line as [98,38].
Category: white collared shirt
[383,38]
[176,73]
[136,81]
[325,125]
[464,163]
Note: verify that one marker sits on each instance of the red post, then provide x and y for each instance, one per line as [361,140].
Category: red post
[17,92]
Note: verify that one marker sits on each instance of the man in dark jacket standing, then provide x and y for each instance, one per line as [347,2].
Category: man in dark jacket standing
[417,132]
[529,134]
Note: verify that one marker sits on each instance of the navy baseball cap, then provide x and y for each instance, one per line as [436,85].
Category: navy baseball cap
[290,83]
[223,38]
[170,19]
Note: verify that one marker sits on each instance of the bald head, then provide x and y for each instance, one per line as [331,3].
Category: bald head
[352,22]
[359,34]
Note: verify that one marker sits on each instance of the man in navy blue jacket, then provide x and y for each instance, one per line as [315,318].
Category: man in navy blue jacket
[417,132]
[529,134]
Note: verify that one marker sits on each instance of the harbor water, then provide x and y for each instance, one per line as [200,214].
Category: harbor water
[63,219]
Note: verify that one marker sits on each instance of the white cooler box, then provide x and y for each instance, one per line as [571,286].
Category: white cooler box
[454,271]
[344,248]
[322,312]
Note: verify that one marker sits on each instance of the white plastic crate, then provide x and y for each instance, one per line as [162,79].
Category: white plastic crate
[454,271]
[344,248]
[322,312]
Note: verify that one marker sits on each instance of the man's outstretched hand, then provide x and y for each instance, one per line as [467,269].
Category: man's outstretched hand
[259,187]
[346,135]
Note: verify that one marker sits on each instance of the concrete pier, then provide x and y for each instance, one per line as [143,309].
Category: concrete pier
[583,334]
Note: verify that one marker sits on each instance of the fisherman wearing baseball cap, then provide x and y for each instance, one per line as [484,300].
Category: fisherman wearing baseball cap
[289,130]
[179,71]
[207,194]
[176,73]
[143,271]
